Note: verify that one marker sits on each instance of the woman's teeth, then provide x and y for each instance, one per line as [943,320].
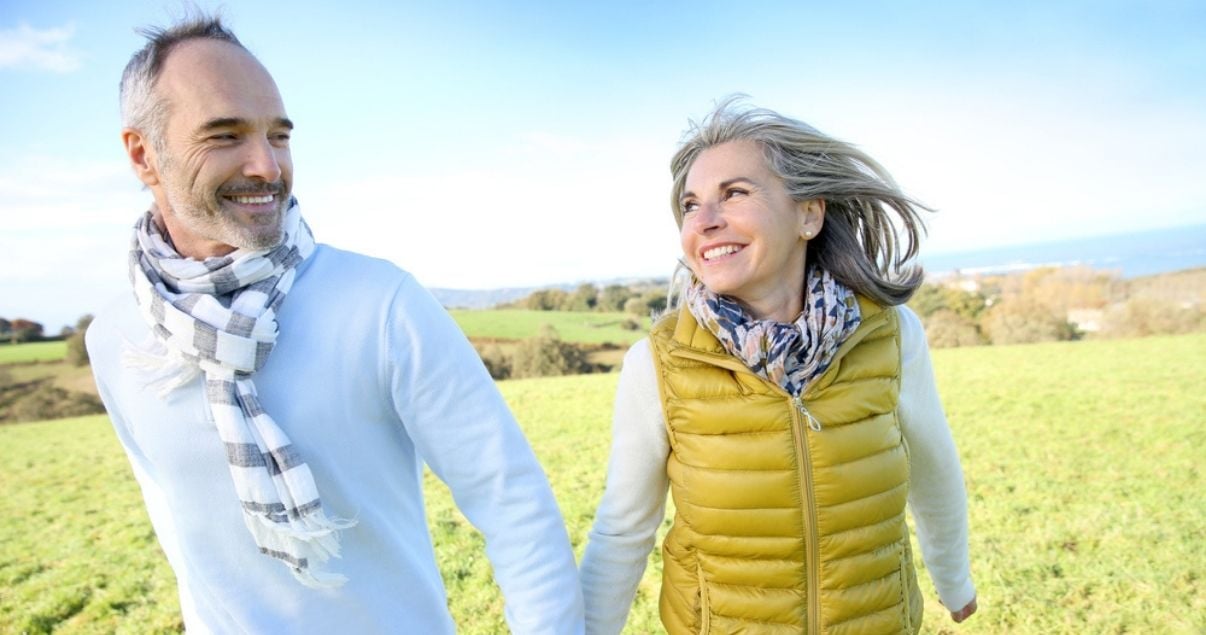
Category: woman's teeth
[722,250]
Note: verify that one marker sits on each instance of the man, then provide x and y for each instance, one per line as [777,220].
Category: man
[277,399]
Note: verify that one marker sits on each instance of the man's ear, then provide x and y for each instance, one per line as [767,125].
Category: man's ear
[812,217]
[141,155]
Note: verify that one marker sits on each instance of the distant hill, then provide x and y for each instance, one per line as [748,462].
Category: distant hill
[483,298]
[489,298]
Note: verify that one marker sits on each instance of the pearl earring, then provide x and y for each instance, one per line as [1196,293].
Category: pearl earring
[808,233]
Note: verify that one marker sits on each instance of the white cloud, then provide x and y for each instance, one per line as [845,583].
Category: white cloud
[39,49]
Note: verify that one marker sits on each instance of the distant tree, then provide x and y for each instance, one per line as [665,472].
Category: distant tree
[584,298]
[927,300]
[931,298]
[25,331]
[656,300]
[77,352]
[6,327]
[613,297]
[545,300]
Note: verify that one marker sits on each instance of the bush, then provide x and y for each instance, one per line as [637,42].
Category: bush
[77,352]
[946,328]
[546,355]
[47,401]
[496,360]
[1023,321]
[1138,317]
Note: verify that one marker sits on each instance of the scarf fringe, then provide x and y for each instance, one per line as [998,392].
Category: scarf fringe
[165,373]
[316,540]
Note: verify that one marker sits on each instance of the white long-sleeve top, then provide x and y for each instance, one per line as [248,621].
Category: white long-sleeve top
[633,503]
[369,378]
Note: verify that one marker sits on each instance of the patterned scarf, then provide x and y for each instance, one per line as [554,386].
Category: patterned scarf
[790,355]
[218,318]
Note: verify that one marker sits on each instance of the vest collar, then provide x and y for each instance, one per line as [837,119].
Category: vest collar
[690,340]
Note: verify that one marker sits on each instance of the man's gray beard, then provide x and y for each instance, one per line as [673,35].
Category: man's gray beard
[223,228]
[218,225]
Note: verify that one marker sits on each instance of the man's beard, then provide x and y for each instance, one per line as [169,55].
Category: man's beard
[203,213]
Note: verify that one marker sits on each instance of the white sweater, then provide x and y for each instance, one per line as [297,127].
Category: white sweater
[633,503]
[370,378]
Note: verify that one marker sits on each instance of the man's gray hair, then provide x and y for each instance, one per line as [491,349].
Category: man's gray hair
[141,108]
[858,244]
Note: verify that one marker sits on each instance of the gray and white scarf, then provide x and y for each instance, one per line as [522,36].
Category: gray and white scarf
[792,354]
[217,317]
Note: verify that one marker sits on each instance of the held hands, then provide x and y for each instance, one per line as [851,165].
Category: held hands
[964,612]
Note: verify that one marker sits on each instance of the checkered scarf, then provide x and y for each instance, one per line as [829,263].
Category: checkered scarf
[790,355]
[218,318]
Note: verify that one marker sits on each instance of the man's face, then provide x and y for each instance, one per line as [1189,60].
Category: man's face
[224,170]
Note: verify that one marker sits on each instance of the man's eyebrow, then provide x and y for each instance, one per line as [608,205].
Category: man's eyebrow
[222,123]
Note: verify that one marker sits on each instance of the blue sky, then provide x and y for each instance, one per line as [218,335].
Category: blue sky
[499,144]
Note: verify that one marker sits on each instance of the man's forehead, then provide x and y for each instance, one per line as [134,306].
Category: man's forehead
[218,76]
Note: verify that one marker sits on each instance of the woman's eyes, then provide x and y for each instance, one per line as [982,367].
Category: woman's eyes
[691,206]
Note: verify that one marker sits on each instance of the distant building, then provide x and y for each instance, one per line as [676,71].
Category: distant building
[1087,320]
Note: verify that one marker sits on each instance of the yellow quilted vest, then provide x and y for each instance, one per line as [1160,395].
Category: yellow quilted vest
[790,512]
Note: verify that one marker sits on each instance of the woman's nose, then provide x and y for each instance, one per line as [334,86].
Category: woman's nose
[707,217]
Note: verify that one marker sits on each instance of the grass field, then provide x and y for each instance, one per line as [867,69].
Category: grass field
[514,324]
[1083,465]
[33,352]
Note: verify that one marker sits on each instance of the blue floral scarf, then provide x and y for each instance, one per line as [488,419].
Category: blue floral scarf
[792,354]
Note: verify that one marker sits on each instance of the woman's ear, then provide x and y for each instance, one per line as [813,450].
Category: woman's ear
[812,217]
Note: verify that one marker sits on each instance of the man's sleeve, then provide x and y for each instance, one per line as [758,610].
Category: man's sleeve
[463,430]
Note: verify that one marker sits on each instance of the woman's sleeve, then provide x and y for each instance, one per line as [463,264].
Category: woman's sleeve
[936,492]
[634,499]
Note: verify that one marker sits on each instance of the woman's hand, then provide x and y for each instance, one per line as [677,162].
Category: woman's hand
[964,612]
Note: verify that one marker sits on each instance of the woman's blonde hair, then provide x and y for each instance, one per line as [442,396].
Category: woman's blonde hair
[859,243]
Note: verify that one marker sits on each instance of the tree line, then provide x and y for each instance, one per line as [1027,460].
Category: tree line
[1054,304]
[641,299]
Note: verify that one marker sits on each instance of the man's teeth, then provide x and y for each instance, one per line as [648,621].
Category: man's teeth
[253,200]
[722,250]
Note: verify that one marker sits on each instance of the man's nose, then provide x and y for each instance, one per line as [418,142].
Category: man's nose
[262,161]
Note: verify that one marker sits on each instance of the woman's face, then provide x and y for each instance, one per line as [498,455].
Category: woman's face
[742,233]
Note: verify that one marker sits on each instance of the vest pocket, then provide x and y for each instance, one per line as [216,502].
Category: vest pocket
[705,611]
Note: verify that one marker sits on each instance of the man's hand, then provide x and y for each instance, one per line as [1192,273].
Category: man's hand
[964,612]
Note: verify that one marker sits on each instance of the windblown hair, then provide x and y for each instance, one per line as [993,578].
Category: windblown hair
[141,108]
[858,243]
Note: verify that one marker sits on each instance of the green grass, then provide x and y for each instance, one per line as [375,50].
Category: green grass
[33,352]
[1082,464]
[514,324]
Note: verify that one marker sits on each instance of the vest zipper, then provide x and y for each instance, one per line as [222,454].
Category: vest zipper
[811,566]
[813,423]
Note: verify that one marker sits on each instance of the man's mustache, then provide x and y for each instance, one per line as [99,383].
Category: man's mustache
[250,188]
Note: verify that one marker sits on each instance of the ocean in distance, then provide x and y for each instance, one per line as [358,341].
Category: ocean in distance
[1131,255]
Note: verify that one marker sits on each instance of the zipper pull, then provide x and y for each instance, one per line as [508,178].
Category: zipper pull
[813,424]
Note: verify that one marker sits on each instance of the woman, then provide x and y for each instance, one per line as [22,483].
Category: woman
[787,401]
